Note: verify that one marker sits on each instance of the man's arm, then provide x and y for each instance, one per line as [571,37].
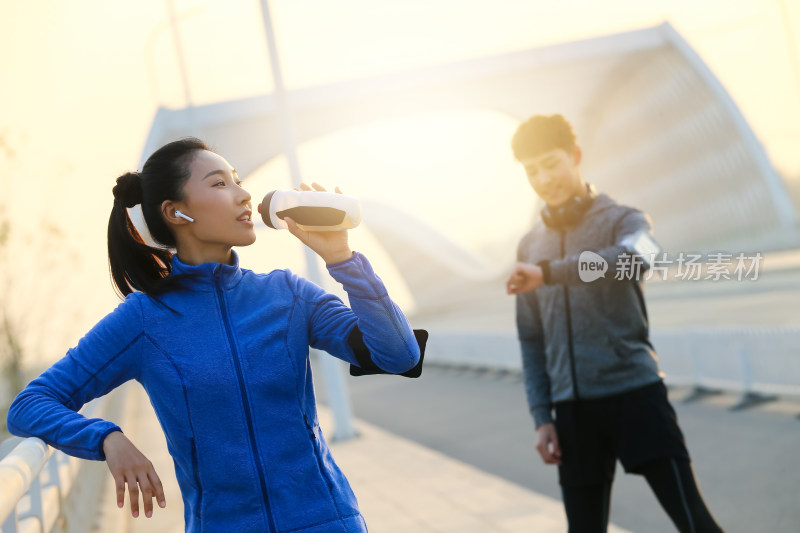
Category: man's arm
[620,255]
[534,365]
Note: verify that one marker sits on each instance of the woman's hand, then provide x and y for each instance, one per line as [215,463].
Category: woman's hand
[128,465]
[331,246]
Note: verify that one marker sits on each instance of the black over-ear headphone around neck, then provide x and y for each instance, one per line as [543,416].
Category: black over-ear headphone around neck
[571,212]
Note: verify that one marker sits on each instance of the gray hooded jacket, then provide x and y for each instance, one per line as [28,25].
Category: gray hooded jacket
[584,339]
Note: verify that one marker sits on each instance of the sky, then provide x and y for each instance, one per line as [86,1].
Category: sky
[80,82]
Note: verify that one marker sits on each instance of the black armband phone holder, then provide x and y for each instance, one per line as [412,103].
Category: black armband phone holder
[366,367]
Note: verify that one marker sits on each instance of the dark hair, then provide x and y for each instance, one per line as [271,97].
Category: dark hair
[134,265]
[542,133]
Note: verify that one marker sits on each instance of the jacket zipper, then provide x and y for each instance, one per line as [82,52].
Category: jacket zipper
[196,467]
[247,413]
[569,324]
[317,456]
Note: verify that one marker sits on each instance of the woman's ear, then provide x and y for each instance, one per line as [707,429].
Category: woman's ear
[172,214]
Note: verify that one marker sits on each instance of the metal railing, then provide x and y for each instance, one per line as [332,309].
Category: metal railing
[759,363]
[34,482]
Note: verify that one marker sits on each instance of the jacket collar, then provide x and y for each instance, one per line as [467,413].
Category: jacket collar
[601,202]
[205,275]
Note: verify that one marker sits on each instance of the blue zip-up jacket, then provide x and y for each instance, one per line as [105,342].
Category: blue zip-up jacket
[225,363]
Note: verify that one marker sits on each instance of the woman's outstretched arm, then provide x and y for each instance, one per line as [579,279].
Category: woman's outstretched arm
[47,408]
[104,358]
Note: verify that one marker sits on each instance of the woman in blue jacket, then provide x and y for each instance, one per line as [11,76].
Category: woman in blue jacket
[223,355]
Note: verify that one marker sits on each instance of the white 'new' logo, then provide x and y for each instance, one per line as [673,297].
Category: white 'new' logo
[591,266]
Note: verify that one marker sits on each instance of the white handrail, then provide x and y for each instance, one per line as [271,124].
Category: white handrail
[18,470]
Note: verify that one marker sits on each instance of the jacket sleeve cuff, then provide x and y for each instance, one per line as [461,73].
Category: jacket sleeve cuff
[340,263]
[542,414]
[545,266]
[562,271]
[100,453]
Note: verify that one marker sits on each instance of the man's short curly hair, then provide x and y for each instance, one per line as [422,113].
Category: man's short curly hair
[542,133]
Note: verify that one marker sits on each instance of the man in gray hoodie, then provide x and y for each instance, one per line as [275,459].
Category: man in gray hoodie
[584,334]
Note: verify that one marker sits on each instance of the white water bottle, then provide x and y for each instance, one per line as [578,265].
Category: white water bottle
[311,210]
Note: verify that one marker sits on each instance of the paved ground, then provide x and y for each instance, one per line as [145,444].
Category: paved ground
[403,487]
[746,461]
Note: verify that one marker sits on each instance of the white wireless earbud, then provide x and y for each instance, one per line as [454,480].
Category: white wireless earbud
[186,217]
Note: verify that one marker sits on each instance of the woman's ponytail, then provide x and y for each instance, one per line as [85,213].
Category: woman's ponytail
[134,265]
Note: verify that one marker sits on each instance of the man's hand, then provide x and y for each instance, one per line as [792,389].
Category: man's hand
[525,277]
[547,444]
[128,465]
